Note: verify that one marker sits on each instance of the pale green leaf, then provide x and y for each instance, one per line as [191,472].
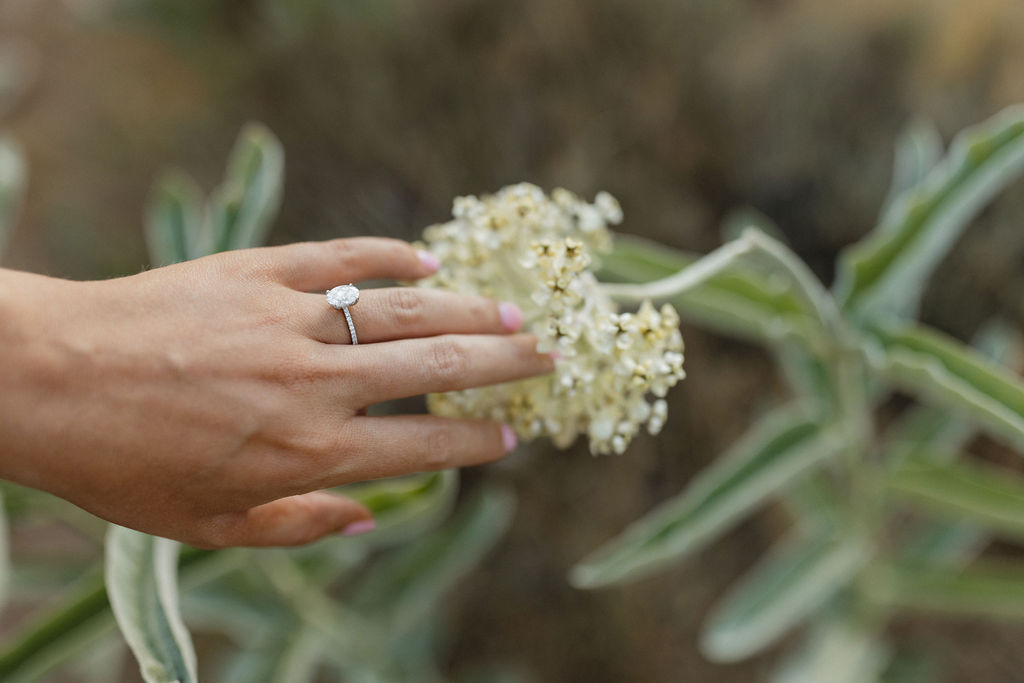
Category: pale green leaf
[407,583]
[174,219]
[406,507]
[5,555]
[741,302]
[838,649]
[141,578]
[796,579]
[13,177]
[243,208]
[989,589]
[763,463]
[985,496]
[940,370]
[293,656]
[885,273]
[918,151]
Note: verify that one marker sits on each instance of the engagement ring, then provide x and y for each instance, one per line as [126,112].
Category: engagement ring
[341,298]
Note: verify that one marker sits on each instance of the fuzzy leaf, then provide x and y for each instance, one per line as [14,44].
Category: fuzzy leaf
[741,302]
[837,650]
[406,584]
[797,578]
[406,507]
[174,219]
[243,208]
[884,274]
[141,578]
[13,177]
[763,463]
[5,555]
[940,370]
[987,496]
[293,656]
[918,151]
[990,589]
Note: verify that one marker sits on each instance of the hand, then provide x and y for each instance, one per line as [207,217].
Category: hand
[211,401]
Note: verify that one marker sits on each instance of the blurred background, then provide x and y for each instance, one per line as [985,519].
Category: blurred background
[387,109]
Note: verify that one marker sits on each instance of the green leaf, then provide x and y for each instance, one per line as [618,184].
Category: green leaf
[989,589]
[406,507]
[56,635]
[940,370]
[13,178]
[986,496]
[243,208]
[884,274]
[293,656]
[5,555]
[763,463]
[406,584]
[741,302]
[838,650]
[797,578]
[174,219]
[141,578]
[918,151]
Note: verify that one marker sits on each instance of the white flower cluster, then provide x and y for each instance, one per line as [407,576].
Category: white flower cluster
[612,370]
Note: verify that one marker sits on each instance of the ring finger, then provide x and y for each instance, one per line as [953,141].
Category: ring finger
[392,313]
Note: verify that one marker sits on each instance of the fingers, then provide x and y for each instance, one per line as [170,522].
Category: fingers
[410,367]
[318,266]
[295,520]
[375,447]
[405,312]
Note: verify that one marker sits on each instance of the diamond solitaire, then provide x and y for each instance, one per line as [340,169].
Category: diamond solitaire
[342,296]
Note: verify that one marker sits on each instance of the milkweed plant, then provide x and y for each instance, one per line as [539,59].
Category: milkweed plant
[884,521]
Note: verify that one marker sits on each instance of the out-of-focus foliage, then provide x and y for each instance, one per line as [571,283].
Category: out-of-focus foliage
[851,489]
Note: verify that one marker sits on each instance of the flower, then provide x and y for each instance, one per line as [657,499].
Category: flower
[613,368]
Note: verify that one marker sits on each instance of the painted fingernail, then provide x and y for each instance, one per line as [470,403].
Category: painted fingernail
[429,260]
[508,438]
[511,316]
[361,527]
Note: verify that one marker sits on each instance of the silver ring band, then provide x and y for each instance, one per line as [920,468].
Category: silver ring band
[341,297]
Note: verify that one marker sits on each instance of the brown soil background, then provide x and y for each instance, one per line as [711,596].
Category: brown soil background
[683,110]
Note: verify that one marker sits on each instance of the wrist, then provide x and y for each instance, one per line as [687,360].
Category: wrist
[29,374]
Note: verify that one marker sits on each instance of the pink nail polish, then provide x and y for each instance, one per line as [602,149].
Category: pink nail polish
[429,261]
[508,438]
[360,527]
[511,316]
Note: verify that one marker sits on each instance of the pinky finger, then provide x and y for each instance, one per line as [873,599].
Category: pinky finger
[295,520]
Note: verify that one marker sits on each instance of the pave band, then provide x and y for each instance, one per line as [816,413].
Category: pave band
[341,297]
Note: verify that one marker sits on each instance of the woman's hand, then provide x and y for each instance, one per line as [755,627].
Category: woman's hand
[211,401]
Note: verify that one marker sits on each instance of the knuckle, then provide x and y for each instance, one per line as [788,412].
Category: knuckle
[440,444]
[406,306]
[449,360]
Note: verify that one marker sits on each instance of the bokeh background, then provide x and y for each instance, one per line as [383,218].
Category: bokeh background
[684,110]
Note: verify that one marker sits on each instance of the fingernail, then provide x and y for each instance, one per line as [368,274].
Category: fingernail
[430,261]
[360,527]
[555,355]
[511,316]
[508,438]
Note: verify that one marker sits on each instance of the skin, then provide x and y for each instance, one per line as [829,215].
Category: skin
[212,401]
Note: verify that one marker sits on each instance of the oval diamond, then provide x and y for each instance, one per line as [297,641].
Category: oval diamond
[343,295]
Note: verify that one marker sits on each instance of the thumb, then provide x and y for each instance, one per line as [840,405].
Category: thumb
[295,520]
